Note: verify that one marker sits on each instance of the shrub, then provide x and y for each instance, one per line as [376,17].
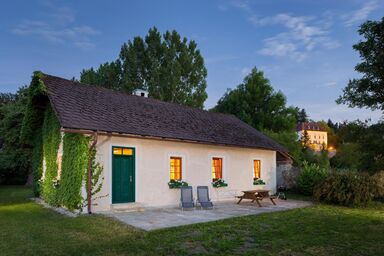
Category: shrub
[311,175]
[345,188]
[378,184]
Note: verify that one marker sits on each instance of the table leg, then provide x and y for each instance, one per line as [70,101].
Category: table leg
[257,201]
[240,200]
[272,201]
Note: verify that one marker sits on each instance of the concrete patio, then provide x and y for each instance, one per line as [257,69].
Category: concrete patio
[156,218]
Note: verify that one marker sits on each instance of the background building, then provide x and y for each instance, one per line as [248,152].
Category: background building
[316,135]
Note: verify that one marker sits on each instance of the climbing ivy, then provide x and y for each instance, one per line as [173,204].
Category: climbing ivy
[41,132]
[97,179]
[51,142]
[31,130]
[74,168]
[34,110]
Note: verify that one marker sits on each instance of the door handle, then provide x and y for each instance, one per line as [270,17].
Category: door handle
[130,178]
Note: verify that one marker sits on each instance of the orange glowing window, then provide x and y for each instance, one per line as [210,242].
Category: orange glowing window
[117,151]
[256,169]
[217,168]
[127,151]
[123,151]
[175,168]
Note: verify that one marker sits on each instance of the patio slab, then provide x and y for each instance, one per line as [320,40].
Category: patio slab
[157,218]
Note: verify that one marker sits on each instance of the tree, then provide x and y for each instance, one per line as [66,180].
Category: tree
[107,75]
[368,91]
[14,158]
[301,115]
[171,68]
[305,140]
[256,103]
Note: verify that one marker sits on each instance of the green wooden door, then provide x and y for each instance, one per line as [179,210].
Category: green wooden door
[123,175]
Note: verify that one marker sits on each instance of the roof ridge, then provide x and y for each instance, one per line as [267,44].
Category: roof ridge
[98,87]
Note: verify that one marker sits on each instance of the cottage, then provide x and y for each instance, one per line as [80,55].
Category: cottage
[143,144]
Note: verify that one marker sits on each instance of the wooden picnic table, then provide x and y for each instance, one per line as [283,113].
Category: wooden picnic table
[256,195]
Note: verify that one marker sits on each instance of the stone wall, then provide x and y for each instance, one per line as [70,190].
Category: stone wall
[286,175]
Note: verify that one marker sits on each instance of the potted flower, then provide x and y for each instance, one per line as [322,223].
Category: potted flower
[177,184]
[258,181]
[219,183]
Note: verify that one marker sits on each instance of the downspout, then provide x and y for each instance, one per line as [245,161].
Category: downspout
[89,172]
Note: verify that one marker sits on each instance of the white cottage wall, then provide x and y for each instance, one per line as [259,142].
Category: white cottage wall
[152,169]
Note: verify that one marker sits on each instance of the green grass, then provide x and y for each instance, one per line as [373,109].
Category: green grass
[29,229]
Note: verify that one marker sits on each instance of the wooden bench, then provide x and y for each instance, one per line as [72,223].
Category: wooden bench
[256,195]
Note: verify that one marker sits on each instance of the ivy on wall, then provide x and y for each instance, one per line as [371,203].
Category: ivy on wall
[31,130]
[51,142]
[41,131]
[74,168]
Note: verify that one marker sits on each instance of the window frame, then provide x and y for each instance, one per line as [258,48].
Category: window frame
[182,166]
[222,167]
[260,168]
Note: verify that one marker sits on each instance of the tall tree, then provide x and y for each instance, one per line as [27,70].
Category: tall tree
[301,115]
[171,68]
[368,91]
[256,103]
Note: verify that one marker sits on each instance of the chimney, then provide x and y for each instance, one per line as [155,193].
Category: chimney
[140,93]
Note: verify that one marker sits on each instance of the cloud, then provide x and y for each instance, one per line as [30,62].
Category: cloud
[242,4]
[301,35]
[58,27]
[359,15]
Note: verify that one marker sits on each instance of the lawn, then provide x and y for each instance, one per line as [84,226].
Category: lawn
[28,229]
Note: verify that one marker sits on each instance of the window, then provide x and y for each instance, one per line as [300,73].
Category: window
[217,168]
[123,151]
[175,168]
[256,169]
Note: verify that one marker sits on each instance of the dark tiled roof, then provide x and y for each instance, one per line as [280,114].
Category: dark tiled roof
[81,106]
[310,126]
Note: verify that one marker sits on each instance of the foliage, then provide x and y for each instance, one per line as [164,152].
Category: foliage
[314,230]
[171,68]
[289,140]
[301,115]
[219,183]
[51,141]
[378,183]
[74,168]
[348,156]
[257,181]
[256,103]
[34,109]
[310,176]
[369,143]
[319,158]
[177,184]
[14,158]
[345,188]
[305,141]
[368,90]
[97,179]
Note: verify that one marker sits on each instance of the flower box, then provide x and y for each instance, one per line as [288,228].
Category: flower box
[177,184]
[258,182]
[219,183]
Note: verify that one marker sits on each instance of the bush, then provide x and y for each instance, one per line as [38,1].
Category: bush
[378,183]
[345,188]
[311,175]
